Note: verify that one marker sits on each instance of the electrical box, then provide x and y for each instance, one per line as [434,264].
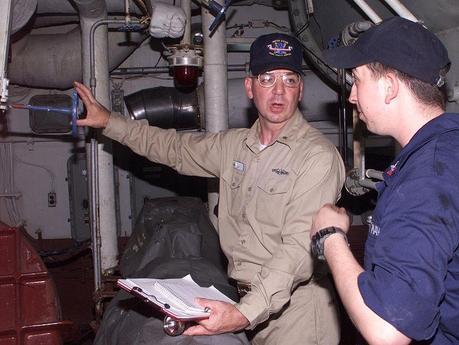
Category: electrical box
[77,178]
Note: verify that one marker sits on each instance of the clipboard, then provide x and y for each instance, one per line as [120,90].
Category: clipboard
[153,301]
[173,297]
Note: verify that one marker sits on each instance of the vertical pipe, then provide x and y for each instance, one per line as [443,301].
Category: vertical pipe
[186,7]
[368,11]
[104,164]
[342,115]
[356,144]
[5,24]
[401,10]
[100,152]
[215,90]
[94,211]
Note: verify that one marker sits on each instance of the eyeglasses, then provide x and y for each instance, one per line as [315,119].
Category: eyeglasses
[290,79]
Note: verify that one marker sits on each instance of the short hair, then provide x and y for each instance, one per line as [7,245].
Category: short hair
[424,92]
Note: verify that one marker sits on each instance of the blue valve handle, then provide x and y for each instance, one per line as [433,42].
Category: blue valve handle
[74,113]
[218,11]
[73,110]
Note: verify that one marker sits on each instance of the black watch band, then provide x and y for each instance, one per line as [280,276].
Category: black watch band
[317,242]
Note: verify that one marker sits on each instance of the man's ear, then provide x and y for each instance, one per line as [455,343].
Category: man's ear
[391,87]
[300,95]
[248,87]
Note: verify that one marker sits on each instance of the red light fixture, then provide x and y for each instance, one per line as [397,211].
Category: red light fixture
[186,63]
[186,76]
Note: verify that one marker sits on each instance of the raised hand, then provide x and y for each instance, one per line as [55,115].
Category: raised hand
[96,114]
[330,215]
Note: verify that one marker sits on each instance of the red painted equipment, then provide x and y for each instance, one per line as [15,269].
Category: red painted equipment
[29,306]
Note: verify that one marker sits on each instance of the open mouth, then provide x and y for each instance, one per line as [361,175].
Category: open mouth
[277,106]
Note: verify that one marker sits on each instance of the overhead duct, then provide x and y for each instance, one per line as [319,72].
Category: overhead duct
[168,107]
[165,107]
[54,60]
[23,10]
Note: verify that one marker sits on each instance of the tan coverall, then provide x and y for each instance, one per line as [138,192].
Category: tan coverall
[266,204]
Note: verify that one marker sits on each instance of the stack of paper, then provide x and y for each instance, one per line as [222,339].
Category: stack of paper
[175,297]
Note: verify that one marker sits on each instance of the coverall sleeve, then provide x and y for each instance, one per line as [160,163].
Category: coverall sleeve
[319,182]
[416,241]
[196,154]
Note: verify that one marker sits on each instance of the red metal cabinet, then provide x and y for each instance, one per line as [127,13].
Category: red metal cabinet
[29,306]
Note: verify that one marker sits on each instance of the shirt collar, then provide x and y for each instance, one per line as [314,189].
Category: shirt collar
[287,136]
[435,127]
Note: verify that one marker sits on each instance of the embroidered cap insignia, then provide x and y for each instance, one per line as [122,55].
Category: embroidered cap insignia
[280,48]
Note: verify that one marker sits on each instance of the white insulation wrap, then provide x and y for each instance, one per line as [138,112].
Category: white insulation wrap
[167,21]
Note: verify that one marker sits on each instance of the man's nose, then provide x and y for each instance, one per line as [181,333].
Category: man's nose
[279,87]
[353,96]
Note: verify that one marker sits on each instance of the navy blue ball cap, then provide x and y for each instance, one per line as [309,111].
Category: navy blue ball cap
[275,51]
[397,43]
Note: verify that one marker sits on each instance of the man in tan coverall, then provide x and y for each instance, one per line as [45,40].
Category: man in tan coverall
[273,178]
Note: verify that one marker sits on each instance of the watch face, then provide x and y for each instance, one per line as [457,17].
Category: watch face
[317,243]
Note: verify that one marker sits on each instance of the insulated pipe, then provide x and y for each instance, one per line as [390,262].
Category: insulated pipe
[215,91]
[100,152]
[46,60]
[368,11]
[401,10]
[23,10]
[186,7]
[5,19]
[54,60]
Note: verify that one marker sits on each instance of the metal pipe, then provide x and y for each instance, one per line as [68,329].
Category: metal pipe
[376,174]
[367,183]
[106,234]
[356,145]
[362,159]
[101,148]
[164,69]
[368,11]
[5,18]
[92,50]
[10,195]
[91,150]
[186,7]
[401,10]
[342,115]
[215,91]
[102,190]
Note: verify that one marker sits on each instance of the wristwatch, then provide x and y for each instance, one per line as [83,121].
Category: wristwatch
[317,242]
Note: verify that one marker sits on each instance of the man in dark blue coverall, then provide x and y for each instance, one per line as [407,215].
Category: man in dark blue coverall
[409,289]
